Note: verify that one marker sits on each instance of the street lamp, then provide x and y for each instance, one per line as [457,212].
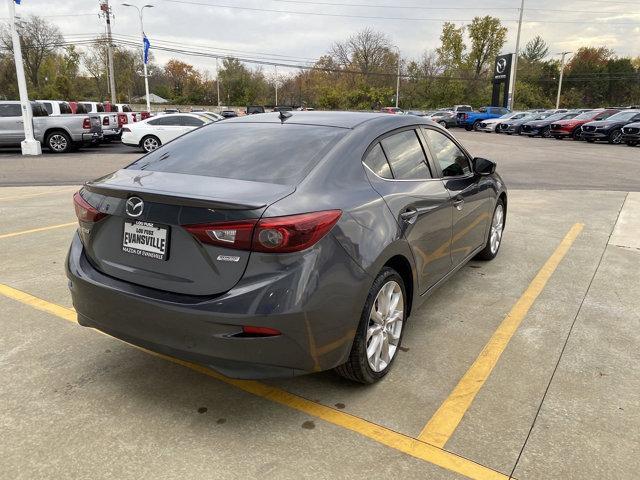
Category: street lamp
[146,76]
[564,54]
[398,77]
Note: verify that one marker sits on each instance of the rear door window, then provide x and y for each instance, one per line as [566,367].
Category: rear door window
[377,162]
[406,157]
[47,106]
[259,152]
[453,161]
[10,110]
[190,121]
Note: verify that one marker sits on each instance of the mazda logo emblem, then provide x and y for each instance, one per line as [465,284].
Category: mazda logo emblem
[134,206]
[501,66]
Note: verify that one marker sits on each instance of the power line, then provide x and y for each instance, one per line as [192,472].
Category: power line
[387,18]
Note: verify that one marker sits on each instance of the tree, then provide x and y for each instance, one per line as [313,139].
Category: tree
[39,40]
[367,51]
[488,36]
[536,50]
[450,53]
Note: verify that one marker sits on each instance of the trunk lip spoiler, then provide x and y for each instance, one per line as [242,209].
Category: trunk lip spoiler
[164,197]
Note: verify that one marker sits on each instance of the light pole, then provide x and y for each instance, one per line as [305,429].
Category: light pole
[29,146]
[515,61]
[146,77]
[398,78]
[218,84]
[276,69]
[564,54]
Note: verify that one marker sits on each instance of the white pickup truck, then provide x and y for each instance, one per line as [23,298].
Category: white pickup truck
[58,133]
[56,107]
[110,126]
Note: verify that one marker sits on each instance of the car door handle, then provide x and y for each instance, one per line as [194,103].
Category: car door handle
[409,215]
[459,203]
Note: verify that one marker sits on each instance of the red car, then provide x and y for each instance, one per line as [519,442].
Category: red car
[572,126]
[391,110]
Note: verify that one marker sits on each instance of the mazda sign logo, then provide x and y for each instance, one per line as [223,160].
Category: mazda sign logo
[134,206]
[501,65]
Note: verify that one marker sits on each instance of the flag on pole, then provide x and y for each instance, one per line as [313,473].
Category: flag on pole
[147,46]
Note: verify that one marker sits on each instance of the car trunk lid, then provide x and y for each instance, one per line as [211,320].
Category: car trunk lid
[149,245]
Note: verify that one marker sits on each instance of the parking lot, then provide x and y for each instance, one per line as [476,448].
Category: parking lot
[525,367]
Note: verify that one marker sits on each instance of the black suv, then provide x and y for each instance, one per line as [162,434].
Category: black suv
[609,130]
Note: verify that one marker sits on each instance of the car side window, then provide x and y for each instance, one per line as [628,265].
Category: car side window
[377,162]
[406,157]
[191,122]
[10,110]
[48,106]
[157,121]
[453,161]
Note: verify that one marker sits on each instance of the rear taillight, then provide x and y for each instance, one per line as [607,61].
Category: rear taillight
[122,119]
[125,129]
[134,117]
[145,115]
[236,235]
[86,123]
[272,235]
[105,121]
[84,211]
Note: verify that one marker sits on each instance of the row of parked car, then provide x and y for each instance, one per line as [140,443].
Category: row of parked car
[613,125]
[62,126]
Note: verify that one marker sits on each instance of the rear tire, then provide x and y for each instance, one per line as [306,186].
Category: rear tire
[150,143]
[381,325]
[494,239]
[615,137]
[577,134]
[546,132]
[58,142]
[443,124]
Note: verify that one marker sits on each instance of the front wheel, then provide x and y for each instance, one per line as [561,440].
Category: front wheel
[632,143]
[494,239]
[476,125]
[443,124]
[546,132]
[379,333]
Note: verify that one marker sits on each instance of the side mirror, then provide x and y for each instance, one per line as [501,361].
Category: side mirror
[482,166]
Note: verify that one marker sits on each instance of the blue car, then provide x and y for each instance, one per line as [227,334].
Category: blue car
[471,120]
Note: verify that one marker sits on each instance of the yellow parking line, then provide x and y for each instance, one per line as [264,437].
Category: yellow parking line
[382,435]
[34,230]
[446,419]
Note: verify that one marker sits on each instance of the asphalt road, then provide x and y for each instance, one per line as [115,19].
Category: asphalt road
[524,163]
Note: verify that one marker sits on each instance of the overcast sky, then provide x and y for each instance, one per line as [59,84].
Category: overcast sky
[565,25]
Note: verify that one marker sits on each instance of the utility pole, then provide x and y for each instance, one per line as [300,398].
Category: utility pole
[218,84]
[106,11]
[29,146]
[564,54]
[515,60]
[398,79]
[276,68]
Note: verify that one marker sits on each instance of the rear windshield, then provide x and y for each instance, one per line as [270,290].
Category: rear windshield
[260,152]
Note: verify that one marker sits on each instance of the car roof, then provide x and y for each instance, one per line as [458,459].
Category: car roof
[330,118]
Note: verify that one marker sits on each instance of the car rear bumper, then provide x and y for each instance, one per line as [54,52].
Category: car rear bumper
[91,137]
[317,316]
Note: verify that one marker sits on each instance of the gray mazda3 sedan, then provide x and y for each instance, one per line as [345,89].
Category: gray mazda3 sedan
[282,244]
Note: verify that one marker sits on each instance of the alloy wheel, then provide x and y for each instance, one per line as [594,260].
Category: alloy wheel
[497,226]
[150,144]
[385,326]
[616,137]
[58,142]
